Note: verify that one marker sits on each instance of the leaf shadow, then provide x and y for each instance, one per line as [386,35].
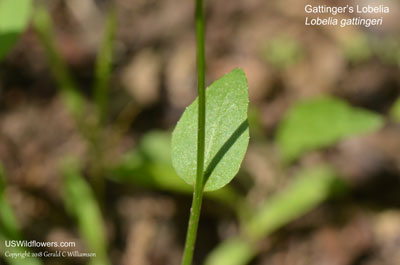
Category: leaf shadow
[225,148]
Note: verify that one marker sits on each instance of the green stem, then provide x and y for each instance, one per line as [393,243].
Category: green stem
[199,185]
[74,101]
[104,65]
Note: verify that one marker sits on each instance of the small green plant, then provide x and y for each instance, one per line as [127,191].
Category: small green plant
[207,150]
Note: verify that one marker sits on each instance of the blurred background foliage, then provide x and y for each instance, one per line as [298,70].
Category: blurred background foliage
[89,93]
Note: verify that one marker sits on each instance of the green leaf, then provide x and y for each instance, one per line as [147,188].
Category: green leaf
[318,123]
[227,133]
[14,15]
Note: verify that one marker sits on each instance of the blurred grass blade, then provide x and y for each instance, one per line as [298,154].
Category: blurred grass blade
[395,111]
[104,65]
[14,16]
[318,123]
[81,203]
[69,90]
[310,189]
[8,222]
[9,229]
[232,252]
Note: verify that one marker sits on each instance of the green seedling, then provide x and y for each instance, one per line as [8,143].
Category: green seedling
[318,123]
[207,150]
[12,25]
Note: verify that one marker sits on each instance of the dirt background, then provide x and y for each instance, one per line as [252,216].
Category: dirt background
[154,79]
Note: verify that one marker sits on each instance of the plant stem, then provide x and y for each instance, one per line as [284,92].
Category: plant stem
[201,129]
[104,65]
[43,24]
